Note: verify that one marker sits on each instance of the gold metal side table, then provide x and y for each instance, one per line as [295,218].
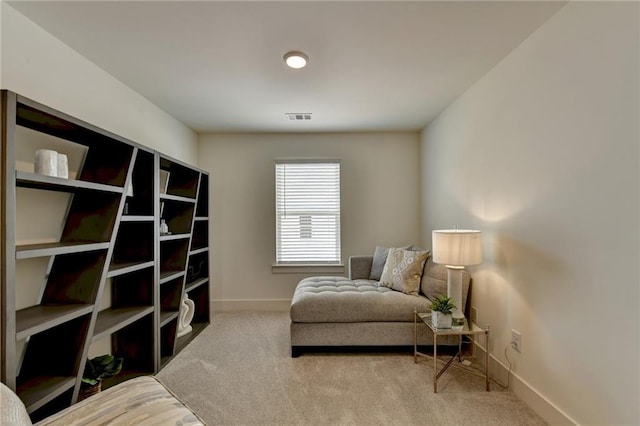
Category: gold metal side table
[467,329]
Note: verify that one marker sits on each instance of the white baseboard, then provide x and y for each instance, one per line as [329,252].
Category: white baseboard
[523,390]
[251,305]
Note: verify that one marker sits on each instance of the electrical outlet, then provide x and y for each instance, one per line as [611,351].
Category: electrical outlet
[516,340]
[474,314]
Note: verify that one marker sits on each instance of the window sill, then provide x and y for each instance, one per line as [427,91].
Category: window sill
[307,269]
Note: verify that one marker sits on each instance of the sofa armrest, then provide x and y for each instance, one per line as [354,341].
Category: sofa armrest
[360,267]
[12,409]
[141,399]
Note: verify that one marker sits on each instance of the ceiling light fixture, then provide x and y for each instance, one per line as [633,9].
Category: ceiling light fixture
[296,59]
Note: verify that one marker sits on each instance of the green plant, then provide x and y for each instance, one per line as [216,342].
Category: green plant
[443,304]
[101,367]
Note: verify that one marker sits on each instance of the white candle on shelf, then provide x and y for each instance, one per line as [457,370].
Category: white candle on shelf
[63,166]
[46,162]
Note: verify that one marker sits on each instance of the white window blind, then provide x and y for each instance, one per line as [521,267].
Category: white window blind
[307,213]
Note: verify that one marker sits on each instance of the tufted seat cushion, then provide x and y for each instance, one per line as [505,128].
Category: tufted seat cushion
[339,299]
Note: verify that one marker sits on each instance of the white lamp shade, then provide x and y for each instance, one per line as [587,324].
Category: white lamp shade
[457,247]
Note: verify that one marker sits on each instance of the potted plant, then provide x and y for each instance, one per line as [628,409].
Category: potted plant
[441,309]
[95,370]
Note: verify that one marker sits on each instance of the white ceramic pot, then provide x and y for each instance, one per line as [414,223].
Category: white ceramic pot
[440,320]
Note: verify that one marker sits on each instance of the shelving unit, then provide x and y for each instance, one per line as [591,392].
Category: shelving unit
[197,277]
[179,200]
[110,276]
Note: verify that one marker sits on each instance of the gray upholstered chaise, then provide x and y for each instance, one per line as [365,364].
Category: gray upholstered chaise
[355,311]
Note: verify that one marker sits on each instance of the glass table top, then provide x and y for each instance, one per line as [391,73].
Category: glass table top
[466,328]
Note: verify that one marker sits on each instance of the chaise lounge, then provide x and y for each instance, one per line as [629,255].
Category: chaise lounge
[357,311]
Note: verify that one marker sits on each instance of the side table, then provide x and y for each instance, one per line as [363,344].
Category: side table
[467,329]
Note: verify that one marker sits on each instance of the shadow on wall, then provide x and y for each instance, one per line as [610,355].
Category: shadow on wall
[511,251]
[513,287]
[530,271]
[516,274]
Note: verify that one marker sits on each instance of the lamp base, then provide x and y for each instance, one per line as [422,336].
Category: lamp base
[454,291]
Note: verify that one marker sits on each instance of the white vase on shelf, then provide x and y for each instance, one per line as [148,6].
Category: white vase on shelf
[164,228]
[187,310]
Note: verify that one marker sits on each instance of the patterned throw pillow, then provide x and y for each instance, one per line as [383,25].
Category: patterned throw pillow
[403,270]
[379,259]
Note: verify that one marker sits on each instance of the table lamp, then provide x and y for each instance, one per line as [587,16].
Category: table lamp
[456,248]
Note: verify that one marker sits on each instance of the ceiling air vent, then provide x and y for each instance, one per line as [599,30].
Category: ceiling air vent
[298,116]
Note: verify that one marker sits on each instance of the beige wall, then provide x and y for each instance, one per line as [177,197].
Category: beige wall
[37,65]
[379,198]
[542,155]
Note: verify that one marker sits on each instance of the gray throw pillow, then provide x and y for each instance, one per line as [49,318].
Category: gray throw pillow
[379,259]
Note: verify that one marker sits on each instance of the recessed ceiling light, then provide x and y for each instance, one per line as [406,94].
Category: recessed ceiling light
[296,59]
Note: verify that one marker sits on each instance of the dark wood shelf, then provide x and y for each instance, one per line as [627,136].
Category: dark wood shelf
[170,197]
[198,251]
[36,319]
[167,276]
[165,360]
[136,218]
[41,118]
[36,181]
[172,237]
[199,237]
[111,320]
[38,391]
[196,284]
[183,341]
[53,249]
[202,206]
[120,268]
[168,316]
[109,249]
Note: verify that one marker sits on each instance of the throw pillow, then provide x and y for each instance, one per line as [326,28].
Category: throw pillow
[403,270]
[379,259]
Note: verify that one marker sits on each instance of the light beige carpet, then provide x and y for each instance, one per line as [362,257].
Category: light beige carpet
[239,372]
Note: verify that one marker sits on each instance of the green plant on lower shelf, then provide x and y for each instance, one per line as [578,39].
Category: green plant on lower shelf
[443,304]
[99,368]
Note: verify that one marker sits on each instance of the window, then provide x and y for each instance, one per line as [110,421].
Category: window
[307,213]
